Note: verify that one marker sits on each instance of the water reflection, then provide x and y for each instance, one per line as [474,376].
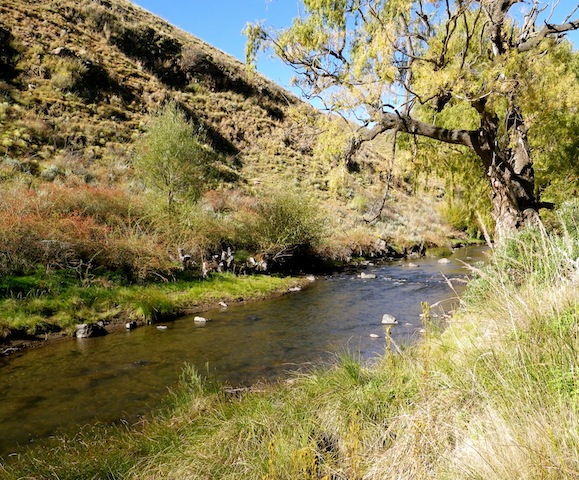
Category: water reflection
[122,375]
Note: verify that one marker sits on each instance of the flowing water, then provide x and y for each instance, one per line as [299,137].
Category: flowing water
[121,376]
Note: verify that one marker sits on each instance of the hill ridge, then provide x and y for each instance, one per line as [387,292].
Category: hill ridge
[115,63]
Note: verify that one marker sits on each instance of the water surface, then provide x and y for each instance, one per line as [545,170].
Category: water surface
[59,387]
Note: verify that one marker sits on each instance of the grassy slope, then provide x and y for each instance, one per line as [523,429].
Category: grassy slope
[85,77]
[78,83]
[493,396]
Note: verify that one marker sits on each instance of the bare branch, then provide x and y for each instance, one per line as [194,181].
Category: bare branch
[409,125]
[404,123]
[529,22]
[546,31]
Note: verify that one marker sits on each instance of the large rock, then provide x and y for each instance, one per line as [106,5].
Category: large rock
[87,330]
[388,319]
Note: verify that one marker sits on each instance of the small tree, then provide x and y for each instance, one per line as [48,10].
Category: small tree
[172,158]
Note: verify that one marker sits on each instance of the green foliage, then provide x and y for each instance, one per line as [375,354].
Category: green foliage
[173,159]
[287,220]
[533,257]
[568,214]
[359,203]
[154,306]
[443,63]
[554,121]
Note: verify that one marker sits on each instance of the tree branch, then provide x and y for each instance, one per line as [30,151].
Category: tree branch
[406,124]
[547,30]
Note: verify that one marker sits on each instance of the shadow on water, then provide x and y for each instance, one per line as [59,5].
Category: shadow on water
[57,388]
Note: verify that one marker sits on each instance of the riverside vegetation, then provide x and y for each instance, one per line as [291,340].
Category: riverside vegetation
[492,395]
[89,231]
[114,156]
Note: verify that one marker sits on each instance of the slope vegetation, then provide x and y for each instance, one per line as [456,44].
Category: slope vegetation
[81,84]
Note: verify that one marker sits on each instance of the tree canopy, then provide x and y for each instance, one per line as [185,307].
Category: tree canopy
[464,72]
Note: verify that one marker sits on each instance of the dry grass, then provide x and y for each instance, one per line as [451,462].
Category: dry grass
[493,396]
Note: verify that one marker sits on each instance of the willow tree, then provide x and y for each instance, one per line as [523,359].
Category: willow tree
[382,59]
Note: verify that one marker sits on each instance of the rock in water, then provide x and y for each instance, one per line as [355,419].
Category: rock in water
[388,319]
[368,276]
[444,261]
[87,330]
[200,320]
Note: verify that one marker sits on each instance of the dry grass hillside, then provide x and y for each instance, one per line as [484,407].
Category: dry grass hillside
[79,79]
[78,83]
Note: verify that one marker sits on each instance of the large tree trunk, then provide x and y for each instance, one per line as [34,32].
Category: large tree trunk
[514,204]
[507,160]
[510,171]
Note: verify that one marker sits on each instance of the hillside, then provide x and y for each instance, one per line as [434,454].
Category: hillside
[79,84]
[79,80]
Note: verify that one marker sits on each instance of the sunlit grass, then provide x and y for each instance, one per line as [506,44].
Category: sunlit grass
[61,307]
[494,395]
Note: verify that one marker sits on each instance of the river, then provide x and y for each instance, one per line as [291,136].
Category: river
[56,389]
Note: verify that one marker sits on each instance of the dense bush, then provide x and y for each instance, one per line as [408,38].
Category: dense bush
[82,228]
[172,158]
[284,222]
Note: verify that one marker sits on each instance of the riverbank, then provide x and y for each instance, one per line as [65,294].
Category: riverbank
[493,396]
[52,306]
[47,306]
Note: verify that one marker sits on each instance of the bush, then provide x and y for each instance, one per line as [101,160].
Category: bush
[286,221]
[172,159]
[66,73]
[83,228]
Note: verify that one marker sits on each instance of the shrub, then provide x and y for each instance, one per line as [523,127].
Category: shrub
[286,221]
[84,228]
[172,159]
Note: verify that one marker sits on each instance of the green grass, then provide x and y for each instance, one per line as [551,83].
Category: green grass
[42,303]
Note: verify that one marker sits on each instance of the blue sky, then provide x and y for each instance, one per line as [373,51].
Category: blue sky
[220,22]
